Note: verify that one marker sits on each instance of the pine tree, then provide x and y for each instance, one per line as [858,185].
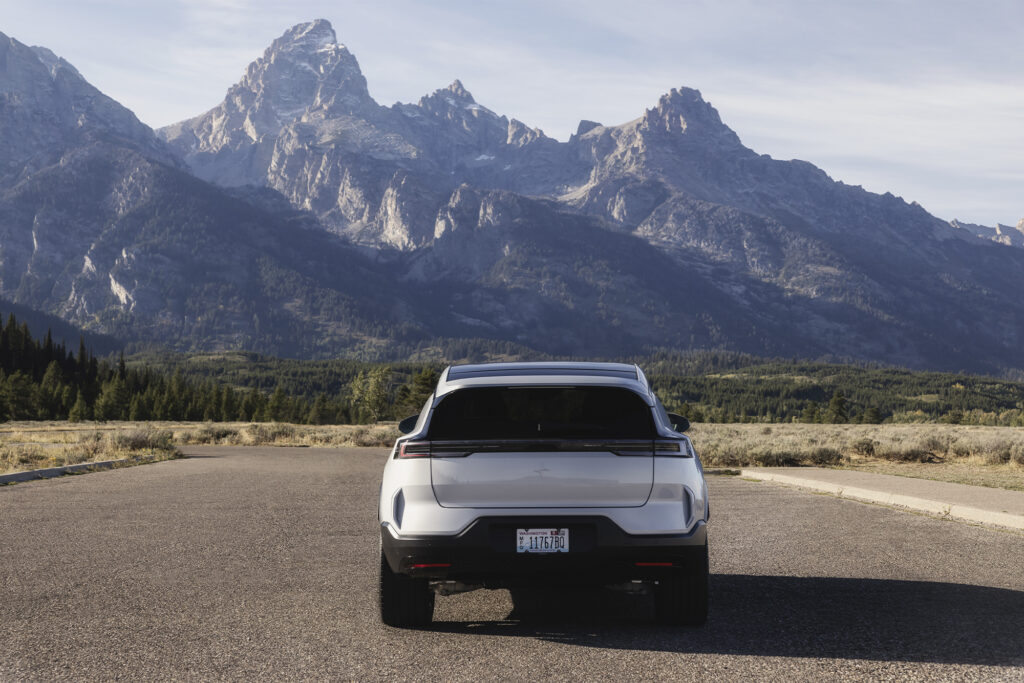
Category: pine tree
[320,412]
[370,391]
[138,411]
[51,391]
[836,413]
[278,408]
[411,396]
[871,416]
[810,414]
[228,405]
[80,411]
[114,401]
[19,397]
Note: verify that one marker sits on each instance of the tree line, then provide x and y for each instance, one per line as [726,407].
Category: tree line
[43,380]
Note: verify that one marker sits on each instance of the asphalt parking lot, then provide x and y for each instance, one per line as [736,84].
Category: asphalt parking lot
[261,562]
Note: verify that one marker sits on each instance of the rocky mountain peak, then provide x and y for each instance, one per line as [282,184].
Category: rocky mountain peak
[586,126]
[684,111]
[311,36]
[304,68]
[304,75]
[455,95]
[48,107]
[458,90]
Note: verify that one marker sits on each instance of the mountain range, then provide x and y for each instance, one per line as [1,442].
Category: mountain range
[299,217]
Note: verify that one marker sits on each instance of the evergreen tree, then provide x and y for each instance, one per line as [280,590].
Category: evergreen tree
[810,414]
[19,397]
[320,413]
[278,408]
[370,391]
[138,411]
[80,410]
[410,397]
[228,405]
[837,411]
[51,392]
[871,416]
[114,401]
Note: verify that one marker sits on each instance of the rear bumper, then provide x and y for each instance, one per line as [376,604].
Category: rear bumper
[599,552]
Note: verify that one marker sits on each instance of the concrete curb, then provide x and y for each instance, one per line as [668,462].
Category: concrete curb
[50,472]
[936,507]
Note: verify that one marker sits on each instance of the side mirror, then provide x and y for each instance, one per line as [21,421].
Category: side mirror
[679,423]
[408,424]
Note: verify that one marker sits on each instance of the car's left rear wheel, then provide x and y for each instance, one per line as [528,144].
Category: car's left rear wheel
[681,599]
[405,602]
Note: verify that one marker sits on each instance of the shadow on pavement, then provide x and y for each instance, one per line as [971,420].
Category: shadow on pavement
[912,621]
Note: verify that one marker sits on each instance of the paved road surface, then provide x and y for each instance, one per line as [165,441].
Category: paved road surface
[242,563]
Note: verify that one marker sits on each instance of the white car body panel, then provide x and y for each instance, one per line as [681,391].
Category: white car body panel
[642,494]
[532,480]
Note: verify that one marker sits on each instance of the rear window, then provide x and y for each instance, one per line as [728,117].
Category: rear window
[542,413]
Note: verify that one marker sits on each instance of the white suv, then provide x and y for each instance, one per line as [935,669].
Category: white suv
[523,474]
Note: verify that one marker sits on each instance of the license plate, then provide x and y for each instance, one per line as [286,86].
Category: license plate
[542,540]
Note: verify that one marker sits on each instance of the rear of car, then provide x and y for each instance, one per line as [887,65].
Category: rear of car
[517,475]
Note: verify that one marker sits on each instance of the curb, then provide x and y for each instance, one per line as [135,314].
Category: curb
[964,512]
[50,472]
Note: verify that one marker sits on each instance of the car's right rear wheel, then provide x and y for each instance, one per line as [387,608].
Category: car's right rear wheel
[405,602]
[682,598]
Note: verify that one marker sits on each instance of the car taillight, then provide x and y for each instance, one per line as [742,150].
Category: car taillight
[414,449]
[672,448]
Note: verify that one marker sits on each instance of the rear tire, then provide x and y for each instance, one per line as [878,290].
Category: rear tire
[682,599]
[405,602]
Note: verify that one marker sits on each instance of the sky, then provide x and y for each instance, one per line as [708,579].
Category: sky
[921,98]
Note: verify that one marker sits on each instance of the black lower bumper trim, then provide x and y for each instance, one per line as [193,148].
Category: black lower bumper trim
[599,552]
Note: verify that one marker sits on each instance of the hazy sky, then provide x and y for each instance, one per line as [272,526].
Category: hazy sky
[923,98]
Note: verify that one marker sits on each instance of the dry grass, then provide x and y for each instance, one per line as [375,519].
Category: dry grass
[37,445]
[986,456]
[279,434]
[32,450]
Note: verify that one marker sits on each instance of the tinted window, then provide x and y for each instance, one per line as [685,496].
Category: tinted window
[542,412]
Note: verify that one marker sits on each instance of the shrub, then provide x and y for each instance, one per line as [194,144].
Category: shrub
[374,436]
[268,433]
[907,455]
[825,456]
[91,445]
[865,447]
[774,459]
[997,453]
[212,434]
[961,449]
[142,440]
[935,444]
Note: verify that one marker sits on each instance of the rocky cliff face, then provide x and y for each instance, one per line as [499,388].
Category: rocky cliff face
[46,107]
[1002,234]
